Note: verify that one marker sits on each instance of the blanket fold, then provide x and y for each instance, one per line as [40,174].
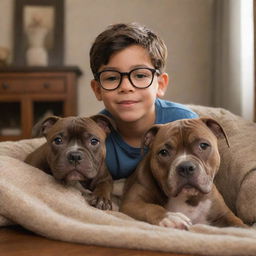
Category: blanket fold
[36,201]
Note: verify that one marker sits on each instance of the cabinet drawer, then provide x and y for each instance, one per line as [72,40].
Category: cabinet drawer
[44,85]
[11,86]
[35,85]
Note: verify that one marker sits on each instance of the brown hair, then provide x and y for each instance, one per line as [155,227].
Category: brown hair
[119,36]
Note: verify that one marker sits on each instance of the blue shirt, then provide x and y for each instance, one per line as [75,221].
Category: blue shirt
[121,158]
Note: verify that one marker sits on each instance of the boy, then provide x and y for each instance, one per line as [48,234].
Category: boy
[128,62]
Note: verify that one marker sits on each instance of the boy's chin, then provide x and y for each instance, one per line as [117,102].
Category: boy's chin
[129,117]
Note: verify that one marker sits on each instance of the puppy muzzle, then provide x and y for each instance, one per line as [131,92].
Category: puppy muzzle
[188,172]
[74,157]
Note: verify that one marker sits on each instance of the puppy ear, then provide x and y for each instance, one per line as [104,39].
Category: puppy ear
[216,128]
[42,127]
[150,135]
[105,122]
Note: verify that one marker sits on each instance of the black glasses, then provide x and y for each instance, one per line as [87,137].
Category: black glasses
[140,78]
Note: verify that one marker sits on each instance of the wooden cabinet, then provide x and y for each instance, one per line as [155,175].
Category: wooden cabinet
[28,94]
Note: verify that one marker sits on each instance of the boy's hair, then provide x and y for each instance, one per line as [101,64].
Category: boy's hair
[119,36]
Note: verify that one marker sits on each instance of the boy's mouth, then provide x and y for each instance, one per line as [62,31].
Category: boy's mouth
[127,102]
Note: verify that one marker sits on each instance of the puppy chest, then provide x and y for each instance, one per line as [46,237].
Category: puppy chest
[197,214]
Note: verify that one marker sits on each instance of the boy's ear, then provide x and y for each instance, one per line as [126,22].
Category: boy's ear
[96,89]
[163,81]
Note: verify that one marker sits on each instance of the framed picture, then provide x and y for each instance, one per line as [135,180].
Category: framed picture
[38,26]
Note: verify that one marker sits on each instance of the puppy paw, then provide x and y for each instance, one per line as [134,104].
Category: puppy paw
[99,202]
[175,220]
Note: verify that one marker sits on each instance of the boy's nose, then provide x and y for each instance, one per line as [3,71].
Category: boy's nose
[126,85]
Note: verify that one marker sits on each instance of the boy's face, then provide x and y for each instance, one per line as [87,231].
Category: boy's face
[127,103]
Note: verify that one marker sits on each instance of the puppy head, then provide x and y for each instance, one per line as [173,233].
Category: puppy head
[76,145]
[184,154]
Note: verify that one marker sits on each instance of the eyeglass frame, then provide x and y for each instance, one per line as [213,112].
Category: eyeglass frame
[128,74]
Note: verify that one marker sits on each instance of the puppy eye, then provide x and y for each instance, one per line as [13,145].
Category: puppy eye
[94,142]
[204,145]
[58,140]
[163,153]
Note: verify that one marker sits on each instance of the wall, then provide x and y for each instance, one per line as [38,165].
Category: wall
[6,26]
[203,38]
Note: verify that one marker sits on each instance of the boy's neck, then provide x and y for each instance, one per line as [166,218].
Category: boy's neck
[132,132]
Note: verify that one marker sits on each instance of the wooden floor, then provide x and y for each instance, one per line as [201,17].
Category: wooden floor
[16,241]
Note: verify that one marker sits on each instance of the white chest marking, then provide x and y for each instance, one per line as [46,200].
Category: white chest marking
[197,214]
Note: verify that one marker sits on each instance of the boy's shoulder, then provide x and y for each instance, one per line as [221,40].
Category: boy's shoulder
[167,111]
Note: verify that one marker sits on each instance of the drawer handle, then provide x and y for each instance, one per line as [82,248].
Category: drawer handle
[5,86]
[46,85]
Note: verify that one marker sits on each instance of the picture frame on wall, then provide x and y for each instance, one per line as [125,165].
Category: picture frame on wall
[38,32]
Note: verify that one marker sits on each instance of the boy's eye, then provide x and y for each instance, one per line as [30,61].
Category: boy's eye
[141,74]
[109,76]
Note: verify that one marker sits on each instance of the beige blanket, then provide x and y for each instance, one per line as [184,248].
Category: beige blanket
[34,200]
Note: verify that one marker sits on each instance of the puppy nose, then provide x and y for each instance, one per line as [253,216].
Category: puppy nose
[186,169]
[74,157]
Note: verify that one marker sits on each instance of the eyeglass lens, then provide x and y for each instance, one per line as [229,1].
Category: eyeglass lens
[140,78]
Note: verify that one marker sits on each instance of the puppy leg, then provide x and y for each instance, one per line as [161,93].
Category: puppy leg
[101,196]
[155,214]
[101,187]
[228,219]
[175,220]
[221,215]
[139,203]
